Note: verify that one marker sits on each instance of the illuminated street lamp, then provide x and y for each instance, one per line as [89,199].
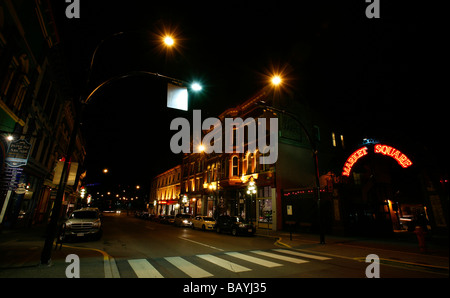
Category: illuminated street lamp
[168,40]
[276,80]
[196,87]
[79,107]
[251,190]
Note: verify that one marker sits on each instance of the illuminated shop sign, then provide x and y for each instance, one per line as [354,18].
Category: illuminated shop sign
[352,160]
[401,158]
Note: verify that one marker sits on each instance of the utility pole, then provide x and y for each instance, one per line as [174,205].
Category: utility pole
[315,159]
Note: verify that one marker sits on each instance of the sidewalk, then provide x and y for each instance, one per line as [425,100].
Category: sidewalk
[399,249]
[20,253]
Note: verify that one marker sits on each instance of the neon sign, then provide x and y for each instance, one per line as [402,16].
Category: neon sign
[352,159]
[401,158]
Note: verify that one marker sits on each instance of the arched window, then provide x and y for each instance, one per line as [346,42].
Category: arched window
[235,163]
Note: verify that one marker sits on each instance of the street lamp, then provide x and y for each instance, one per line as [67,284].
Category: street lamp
[251,190]
[276,80]
[168,40]
[79,107]
[196,87]
[315,159]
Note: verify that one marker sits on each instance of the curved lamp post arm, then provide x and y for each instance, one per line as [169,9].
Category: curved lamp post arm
[127,75]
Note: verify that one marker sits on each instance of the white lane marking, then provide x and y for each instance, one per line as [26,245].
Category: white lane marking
[233,267]
[251,259]
[210,246]
[144,269]
[280,257]
[188,268]
[296,253]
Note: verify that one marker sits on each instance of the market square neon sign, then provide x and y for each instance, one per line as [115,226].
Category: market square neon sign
[401,158]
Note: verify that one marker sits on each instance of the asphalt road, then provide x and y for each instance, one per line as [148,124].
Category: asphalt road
[143,248]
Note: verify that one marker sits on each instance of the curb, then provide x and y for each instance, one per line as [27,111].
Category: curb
[110,267]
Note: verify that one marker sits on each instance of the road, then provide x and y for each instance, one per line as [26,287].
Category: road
[144,248]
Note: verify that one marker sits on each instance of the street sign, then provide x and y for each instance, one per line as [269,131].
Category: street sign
[18,152]
[177,97]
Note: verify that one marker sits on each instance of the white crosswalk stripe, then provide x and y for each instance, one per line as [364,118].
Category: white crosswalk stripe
[233,267]
[251,259]
[300,254]
[188,268]
[279,257]
[144,269]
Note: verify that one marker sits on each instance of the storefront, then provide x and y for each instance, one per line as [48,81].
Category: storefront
[167,207]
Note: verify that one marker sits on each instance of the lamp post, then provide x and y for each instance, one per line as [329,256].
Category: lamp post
[251,190]
[79,108]
[315,160]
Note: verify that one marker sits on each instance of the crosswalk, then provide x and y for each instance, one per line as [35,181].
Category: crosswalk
[209,265]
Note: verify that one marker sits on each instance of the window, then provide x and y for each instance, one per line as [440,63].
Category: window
[235,162]
[250,160]
[333,138]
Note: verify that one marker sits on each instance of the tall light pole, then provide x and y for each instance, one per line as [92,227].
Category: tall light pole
[79,108]
[276,80]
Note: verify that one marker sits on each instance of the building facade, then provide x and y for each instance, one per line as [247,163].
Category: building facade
[165,192]
[36,113]
[214,182]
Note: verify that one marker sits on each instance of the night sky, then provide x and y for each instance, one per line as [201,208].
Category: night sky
[373,76]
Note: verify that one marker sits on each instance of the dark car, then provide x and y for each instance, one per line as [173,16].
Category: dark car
[234,224]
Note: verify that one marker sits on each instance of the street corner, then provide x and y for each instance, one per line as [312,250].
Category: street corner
[66,262]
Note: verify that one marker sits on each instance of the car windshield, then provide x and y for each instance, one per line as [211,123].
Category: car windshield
[238,219]
[84,214]
[208,219]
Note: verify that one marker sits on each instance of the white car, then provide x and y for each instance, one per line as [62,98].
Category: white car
[203,222]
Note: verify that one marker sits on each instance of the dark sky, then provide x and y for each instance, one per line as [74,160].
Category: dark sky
[373,75]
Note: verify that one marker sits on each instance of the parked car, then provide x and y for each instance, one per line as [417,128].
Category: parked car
[167,219]
[183,220]
[85,222]
[234,224]
[204,223]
